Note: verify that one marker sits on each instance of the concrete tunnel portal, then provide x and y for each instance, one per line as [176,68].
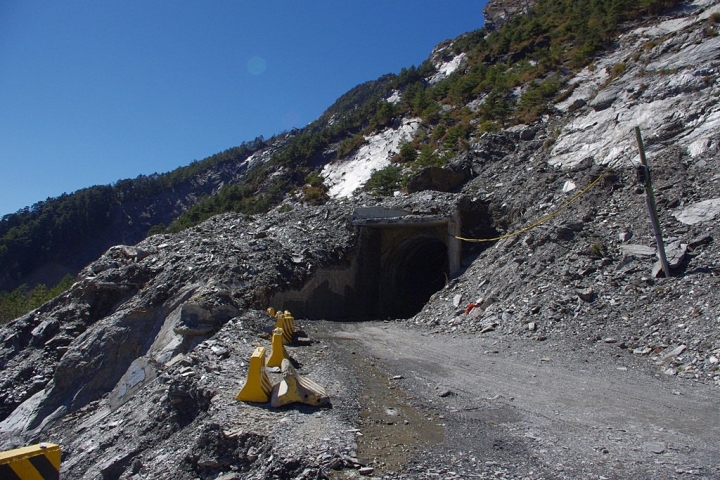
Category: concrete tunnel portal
[400,262]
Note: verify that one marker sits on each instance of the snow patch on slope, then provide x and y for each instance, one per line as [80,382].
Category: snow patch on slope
[444,69]
[345,176]
[395,97]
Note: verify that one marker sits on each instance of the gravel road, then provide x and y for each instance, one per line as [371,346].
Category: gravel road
[513,408]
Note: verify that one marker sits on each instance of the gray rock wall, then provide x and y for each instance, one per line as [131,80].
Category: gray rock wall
[499,12]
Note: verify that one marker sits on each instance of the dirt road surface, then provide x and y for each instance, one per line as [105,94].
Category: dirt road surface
[440,406]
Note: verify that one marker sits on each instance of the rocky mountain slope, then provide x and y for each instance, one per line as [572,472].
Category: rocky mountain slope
[76,228]
[134,369]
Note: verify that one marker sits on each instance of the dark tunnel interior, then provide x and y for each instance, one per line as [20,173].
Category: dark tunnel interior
[417,268]
[396,269]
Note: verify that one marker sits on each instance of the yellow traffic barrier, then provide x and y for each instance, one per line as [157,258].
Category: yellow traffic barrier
[296,388]
[257,387]
[278,352]
[287,322]
[36,462]
[288,327]
[271,311]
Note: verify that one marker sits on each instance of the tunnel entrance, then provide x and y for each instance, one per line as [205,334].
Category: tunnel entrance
[400,262]
[411,274]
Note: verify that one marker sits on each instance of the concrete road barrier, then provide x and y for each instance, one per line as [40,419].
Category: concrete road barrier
[295,388]
[35,462]
[257,387]
[287,322]
[278,352]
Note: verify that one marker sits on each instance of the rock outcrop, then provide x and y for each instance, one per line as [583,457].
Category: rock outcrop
[499,12]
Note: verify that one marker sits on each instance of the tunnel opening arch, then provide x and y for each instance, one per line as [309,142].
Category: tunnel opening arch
[400,261]
[416,268]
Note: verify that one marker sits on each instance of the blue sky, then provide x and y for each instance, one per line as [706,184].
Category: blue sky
[92,92]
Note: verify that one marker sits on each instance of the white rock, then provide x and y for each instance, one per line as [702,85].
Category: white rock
[346,175]
[569,186]
[699,212]
[444,69]
[456,300]
[638,250]
[667,357]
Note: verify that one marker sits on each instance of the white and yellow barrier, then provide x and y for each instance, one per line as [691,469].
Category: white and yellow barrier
[35,462]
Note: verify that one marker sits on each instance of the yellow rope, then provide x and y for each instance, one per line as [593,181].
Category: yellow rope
[543,219]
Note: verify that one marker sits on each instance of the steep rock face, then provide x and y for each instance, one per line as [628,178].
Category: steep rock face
[345,176]
[499,12]
[661,78]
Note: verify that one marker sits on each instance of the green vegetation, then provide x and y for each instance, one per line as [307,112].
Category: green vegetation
[598,250]
[53,229]
[618,69]
[385,181]
[407,154]
[536,98]
[22,300]
[429,158]
[350,144]
[157,229]
[314,191]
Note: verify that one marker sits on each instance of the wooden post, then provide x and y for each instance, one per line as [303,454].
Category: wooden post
[651,206]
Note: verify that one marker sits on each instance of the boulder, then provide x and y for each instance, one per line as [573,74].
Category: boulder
[193,320]
[605,98]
